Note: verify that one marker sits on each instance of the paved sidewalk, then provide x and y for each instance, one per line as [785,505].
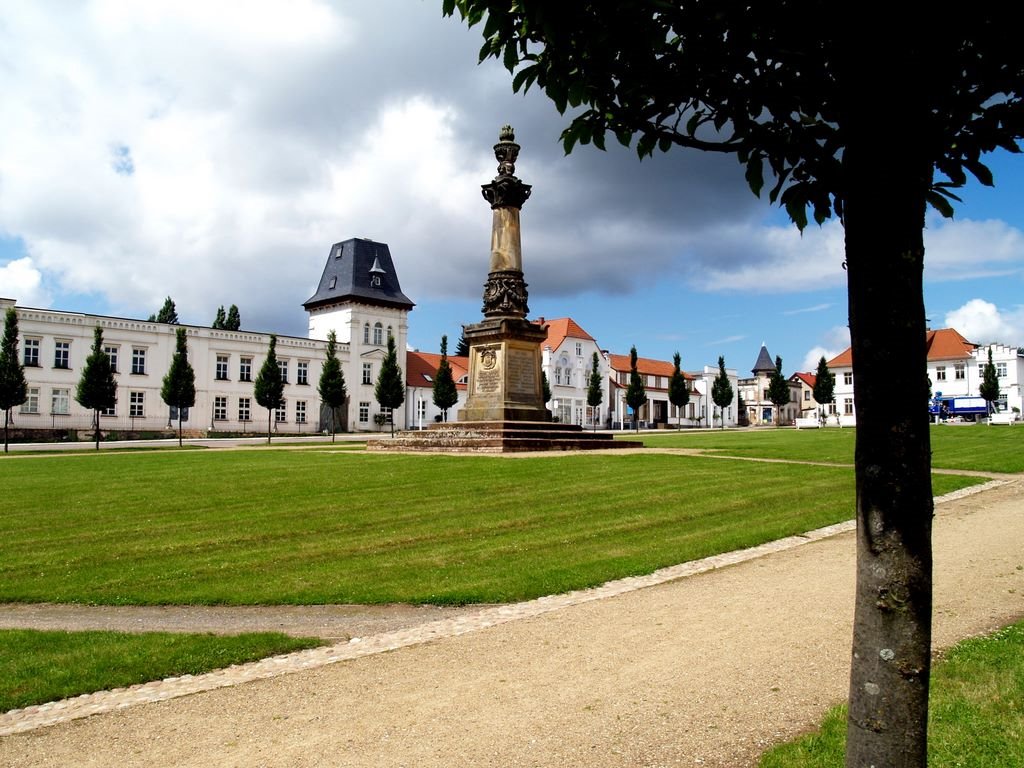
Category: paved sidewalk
[703,670]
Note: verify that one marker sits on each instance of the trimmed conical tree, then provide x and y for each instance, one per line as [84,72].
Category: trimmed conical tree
[989,388]
[390,389]
[778,390]
[678,393]
[269,387]
[721,389]
[179,385]
[234,319]
[97,389]
[825,386]
[445,394]
[13,387]
[636,394]
[595,390]
[332,382]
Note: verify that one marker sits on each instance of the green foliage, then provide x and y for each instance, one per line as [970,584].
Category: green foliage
[234,319]
[595,387]
[38,667]
[269,386]
[545,387]
[179,385]
[13,387]
[332,381]
[721,389]
[678,392]
[636,394]
[168,313]
[777,84]
[975,722]
[825,384]
[445,394]
[989,388]
[390,388]
[221,319]
[778,390]
[97,389]
[462,348]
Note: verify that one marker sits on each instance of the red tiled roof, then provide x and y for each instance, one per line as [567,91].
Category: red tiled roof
[942,344]
[645,366]
[810,379]
[562,328]
[421,365]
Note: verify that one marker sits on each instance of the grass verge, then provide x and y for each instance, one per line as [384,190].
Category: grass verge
[977,447]
[307,527]
[977,695]
[37,667]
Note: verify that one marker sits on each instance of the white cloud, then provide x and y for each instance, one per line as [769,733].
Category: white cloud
[834,341]
[983,322]
[21,281]
[966,249]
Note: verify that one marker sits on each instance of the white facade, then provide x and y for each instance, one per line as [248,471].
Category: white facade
[568,366]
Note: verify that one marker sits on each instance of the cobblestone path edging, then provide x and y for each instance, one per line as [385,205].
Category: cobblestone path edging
[42,715]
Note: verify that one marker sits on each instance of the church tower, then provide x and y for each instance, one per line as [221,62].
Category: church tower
[360,299]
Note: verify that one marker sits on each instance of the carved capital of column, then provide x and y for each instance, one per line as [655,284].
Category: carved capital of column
[505,295]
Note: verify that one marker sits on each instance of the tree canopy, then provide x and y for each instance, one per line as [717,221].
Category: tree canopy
[445,394]
[179,385]
[168,313]
[825,384]
[636,393]
[234,319]
[678,393]
[462,347]
[13,387]
[332,381]
[778,390]
[221,318]
[872,119]
[390,388]
[989,388]
[97,390]
[269,385]
[721,389]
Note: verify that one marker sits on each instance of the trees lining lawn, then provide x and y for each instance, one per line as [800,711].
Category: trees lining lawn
[36,667]
[972,447]
[308,527]
[975,720]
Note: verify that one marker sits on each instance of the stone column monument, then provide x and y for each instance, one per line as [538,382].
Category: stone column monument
[505,348]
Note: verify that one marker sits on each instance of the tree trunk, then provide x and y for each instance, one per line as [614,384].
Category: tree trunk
[884,218]
[7,421]
[96,427]
[270,415]
[179,427]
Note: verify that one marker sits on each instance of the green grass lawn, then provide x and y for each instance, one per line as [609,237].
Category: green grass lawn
[310,526]
[972,447]
[976,704]
[36,667]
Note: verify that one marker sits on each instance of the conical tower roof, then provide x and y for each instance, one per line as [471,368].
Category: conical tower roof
[764,362]
[359,270]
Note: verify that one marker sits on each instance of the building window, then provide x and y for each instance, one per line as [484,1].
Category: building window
[244,408]
[62,354]
[366,333]
[959,371]
[281,413]
[137,404]
[558,375]
[579,349]
[378,334]
[138,361]
[282,365]
[390,333]
[940,373]
[112,356]
[848,406]
[421,411]
[60,401]
[364,413]
[31,356]
[367,373]
[31,404]
[807,395]
[1001,370]
[387,414]
[300,411]
[222,369]
[848,378]
[302,372]
[220,408]
[245,369]
[111,411]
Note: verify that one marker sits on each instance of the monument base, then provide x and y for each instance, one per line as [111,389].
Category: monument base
[505,371]
[498,437]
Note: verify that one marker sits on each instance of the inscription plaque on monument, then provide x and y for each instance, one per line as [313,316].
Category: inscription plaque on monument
[522,376]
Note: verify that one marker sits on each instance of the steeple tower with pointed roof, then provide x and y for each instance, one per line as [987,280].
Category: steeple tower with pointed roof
[764,362]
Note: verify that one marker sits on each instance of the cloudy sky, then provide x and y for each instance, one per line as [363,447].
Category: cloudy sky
[214,151]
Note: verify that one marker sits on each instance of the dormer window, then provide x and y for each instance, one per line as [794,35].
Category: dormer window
[375,281]
[334,282]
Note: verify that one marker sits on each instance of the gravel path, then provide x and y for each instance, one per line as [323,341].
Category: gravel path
[704,670]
